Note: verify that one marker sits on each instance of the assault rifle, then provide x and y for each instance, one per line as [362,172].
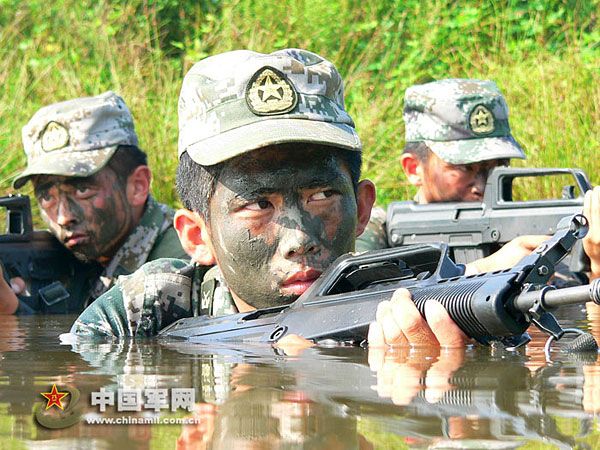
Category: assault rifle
[474,230]
[36,256]
[340,305]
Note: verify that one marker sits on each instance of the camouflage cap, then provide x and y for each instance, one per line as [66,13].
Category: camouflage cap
[462,121]
[240,101]
[76,137]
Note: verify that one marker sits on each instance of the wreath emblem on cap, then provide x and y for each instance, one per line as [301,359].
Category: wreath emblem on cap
[269,92]
[54,137]
[481,120]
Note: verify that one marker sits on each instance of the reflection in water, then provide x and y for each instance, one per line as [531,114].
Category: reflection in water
[256,415]
[32,359]
[258,397]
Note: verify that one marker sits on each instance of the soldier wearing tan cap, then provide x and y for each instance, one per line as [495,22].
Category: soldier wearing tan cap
[269,170]
[92,183]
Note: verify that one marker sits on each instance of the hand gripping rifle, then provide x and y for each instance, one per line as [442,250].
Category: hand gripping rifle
[340,305]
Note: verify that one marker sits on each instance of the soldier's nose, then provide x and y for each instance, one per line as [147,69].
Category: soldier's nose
[300,250]
[478,186]
[477,191]
[296,242]
[299,245]
[64,216]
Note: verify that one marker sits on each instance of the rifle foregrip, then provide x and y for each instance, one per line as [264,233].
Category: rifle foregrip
[476,305]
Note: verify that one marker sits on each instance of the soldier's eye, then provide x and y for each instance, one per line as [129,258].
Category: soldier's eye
[44,197]
[468,168]
[83,191]
[321,195]
[259,205]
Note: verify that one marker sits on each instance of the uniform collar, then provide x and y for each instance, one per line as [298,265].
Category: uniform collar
[215,296]
[137,247]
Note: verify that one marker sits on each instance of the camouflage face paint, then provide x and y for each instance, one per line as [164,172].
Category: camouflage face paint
[90,216]
[445,182]
[279,219]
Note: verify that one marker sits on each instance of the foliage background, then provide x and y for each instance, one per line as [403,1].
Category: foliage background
[544,55]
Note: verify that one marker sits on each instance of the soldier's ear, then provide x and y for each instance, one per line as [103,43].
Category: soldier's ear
[365,198]
[138,186]
[193,234]
[413,168]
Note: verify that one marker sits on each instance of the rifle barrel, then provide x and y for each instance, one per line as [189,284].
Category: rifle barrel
[555,298]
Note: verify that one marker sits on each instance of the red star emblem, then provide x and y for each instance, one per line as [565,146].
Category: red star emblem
[54,397]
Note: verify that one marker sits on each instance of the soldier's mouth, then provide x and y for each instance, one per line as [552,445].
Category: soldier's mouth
[298,282]
[75,239]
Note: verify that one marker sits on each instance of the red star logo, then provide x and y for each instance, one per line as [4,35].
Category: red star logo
[54,397]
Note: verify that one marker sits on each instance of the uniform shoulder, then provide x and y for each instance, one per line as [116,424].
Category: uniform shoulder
[163,265]
[142,303]
[156,270]
[378,216]
[167,244]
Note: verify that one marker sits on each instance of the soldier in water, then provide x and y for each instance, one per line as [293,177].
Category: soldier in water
[92,183]
[269,176]
[457,131]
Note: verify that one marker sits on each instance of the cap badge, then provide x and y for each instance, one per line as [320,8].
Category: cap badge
[481,120]
[269,92]
[54,137]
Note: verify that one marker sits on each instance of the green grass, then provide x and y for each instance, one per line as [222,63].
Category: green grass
[544,55]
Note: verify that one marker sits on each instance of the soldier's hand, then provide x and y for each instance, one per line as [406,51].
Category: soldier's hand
[8,299]
[398,322]
[591,243]
[17,284]
[293,345]
[509,255]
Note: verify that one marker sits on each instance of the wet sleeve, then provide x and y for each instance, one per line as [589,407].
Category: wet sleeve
[140,304]
[375,236]
[104,317]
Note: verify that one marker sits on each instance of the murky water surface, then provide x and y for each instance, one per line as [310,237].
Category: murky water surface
[329,398]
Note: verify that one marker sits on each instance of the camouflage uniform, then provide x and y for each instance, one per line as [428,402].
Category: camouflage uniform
[77,138]
[153,238]
[229,104]
[462,121]
[374,237]
[155,296]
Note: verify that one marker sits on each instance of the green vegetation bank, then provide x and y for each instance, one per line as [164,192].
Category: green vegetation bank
[544,55]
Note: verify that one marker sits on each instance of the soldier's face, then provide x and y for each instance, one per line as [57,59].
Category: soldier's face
[90,216]
[445,182]
[279,219]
